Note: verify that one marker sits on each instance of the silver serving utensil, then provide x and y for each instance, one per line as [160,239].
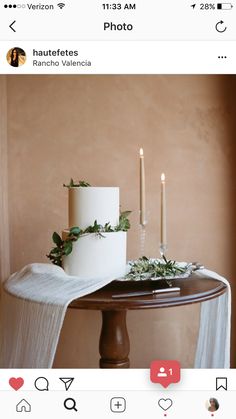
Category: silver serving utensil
[141,293]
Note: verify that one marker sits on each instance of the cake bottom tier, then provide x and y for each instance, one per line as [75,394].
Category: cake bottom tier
[97,257]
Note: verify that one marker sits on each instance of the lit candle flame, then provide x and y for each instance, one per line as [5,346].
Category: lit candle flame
[163,178]
[141,152]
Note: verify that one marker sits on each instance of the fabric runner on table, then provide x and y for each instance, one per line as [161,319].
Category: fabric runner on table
[34,305]
[213,346]
[33,309]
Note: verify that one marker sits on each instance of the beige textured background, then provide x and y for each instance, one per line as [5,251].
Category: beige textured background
[4,211]
[91,127]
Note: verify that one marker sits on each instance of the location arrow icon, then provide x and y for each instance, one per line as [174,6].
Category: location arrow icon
[193,5]
[67,381]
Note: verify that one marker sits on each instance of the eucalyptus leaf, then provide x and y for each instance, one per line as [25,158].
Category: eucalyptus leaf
[57,239]
[75,231]
[68,246]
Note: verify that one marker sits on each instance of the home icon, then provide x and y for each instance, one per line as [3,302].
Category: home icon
[23,406]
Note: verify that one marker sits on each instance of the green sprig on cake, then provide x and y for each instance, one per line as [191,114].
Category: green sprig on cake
[73,184]
[65,247]
[93,214]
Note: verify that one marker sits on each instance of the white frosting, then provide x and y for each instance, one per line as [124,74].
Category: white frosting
[97,257]
[87,204]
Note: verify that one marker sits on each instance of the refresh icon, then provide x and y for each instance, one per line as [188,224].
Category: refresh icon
[220,26]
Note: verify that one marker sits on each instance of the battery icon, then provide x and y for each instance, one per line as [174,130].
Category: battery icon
[224,6]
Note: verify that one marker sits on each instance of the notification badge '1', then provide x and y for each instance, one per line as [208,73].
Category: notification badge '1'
[165,372]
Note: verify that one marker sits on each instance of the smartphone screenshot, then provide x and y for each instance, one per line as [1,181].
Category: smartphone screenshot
[117,209]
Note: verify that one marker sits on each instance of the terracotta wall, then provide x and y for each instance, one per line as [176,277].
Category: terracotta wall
[91,127]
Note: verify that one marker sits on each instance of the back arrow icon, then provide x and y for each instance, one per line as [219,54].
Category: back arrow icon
[11,26]
[219,28]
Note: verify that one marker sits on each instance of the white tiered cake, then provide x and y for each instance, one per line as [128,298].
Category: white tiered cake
[93,256]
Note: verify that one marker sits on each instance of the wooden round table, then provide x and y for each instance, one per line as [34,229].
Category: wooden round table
[114,343]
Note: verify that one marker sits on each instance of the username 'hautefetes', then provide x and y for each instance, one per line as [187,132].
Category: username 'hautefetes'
[59,57]
[94,256]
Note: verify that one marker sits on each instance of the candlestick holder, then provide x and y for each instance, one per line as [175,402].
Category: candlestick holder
[142,239]
[163,249]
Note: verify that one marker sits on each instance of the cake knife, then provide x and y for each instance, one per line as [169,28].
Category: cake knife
[151,292]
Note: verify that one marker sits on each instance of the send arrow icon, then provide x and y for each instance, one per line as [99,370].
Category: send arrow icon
[67,381]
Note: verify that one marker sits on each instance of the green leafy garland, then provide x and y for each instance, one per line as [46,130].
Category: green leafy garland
[65,247]
[145,268]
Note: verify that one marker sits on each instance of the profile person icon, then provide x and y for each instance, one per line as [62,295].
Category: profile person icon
[16,57]
[162,373]
[213,405]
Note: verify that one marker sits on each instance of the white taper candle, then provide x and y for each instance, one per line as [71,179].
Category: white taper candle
[163,240]
[143,220]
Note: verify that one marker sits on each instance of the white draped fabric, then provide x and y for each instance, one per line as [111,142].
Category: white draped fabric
[213,347]
[35,301]
[33,309]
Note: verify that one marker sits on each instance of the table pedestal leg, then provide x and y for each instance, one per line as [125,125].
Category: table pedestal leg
[114,340]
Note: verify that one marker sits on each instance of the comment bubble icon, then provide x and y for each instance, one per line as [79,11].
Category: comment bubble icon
[41,384]
[165,372]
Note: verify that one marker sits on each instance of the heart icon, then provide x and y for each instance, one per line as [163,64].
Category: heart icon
[16,383]
[165,404]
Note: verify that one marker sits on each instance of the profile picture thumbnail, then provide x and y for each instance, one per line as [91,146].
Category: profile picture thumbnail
[16,57]
[212,405]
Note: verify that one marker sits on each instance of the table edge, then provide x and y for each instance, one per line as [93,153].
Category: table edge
[149,304]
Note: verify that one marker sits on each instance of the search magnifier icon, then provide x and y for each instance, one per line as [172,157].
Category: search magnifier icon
[70,404]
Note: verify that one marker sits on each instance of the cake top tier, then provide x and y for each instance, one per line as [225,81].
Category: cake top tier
[87,204]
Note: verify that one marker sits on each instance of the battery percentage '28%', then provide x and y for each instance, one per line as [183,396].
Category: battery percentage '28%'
[207,6]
